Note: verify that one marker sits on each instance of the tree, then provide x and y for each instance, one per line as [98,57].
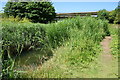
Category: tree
[103,14]
[112,16]
[117,17]
[42,12]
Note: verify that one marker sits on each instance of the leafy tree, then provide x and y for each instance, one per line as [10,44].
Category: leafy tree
[103,14]
[112,16]
[117,17]
[42,12]
[15,9]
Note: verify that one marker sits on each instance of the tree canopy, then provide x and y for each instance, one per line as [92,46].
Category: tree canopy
[112,16]
[42,12]
[103,14]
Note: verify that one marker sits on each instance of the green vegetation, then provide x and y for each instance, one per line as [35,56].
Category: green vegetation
[74,43]
[18,37]
[21,36]
[42,12]
[114,44]
[65,49]
[25,35]
[111,16]
[103,14]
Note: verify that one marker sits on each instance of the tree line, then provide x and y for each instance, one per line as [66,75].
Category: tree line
[112,16]
[44,12]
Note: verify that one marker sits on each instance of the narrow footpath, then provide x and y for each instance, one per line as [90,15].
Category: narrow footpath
[107,63]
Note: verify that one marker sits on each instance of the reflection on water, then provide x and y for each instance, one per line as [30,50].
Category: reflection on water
[31,59]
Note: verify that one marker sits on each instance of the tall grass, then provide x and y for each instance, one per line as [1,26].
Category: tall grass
[78,37]
[114,30]
[95,29]
[19,37]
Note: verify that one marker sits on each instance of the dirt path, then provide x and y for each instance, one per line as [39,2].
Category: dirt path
[107,63]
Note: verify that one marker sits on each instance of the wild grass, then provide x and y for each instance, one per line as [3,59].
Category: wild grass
[17,19]
[75,43]
[16,38]
[114,29]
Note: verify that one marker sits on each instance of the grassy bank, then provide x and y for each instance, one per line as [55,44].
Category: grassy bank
[74,44]
[114,30]
[20,36]
[115,44]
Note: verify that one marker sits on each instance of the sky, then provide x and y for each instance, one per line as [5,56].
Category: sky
[68,6]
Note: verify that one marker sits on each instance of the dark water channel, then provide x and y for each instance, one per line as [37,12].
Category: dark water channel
[32,59]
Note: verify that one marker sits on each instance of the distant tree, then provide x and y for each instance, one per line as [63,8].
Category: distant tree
[118,7]
[117,17]
[103,14]
[112,16]
[42,12]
